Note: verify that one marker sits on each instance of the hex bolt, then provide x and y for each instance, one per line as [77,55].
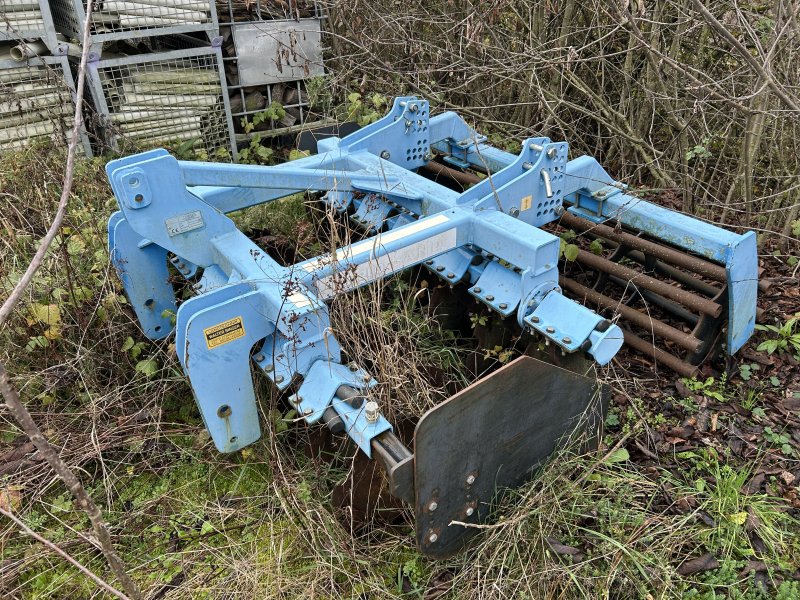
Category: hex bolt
[366,377]
[470,479]
[259,357]
[413,107]
[433,506]
[269,368]
[426,156]
[470,511]
[440,268]
[371,412]
[432,538]
[534,318]
[385,155]
[308,411]
[451,275]
[566,340]
[550,330]
[489,297]
[503,306]
[477,290]
[353,367]
[559,210]
[428,262]
[279,379]
[513,211]
[552,153]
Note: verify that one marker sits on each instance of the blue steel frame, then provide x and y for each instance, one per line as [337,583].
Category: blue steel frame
[250,308]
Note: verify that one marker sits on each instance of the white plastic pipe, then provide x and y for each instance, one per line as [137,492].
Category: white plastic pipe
[175,100]
[147,10]
[26,50]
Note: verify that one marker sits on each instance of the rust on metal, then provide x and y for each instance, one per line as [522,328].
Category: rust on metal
[648,349]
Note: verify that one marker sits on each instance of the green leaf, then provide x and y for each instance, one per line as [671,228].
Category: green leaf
[571,252]
[148,367]
[775,381]
[596,247]
[619,455]
[206,528]
[128,344]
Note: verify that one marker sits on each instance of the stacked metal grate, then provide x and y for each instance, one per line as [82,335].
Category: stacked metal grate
[123,19]
[21,19]
[36,102]
[269,49]
[172,99]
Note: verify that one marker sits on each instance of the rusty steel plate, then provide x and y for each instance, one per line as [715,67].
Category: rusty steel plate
[489,437]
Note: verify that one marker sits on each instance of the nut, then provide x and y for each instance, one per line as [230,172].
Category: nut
[371,411]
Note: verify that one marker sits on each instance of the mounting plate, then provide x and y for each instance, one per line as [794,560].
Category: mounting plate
[490,437]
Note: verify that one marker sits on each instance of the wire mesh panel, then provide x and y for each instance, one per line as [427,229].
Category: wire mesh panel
[176,100]
[123,19]
[37,102]
[270,49]
[27,20]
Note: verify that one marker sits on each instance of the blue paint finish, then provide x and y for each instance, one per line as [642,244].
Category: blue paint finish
[145,277]
[320,385]
[246,300]
[742,272]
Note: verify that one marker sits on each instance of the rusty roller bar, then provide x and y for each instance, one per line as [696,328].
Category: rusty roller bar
[461,177]
[659,328]
[674,257]
[647,348]
[688,299]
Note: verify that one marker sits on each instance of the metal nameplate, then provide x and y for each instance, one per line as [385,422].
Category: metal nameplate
[225,332]
[184,222]
[275,51]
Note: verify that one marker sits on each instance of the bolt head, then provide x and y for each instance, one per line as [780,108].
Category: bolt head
[550,329]
[477,290]
[385,155]
[490,297]
[440,268]
[470,479]
[433,506]
[534,318]
[432,538]
[470,511]
[308,411]
[503,306]
[371,411]
[279,379]
[259,357]
[451,275]
[428,262]
[514,211]
[269,368]
[566,340]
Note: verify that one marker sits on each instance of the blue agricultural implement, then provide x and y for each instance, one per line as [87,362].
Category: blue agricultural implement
[250,312]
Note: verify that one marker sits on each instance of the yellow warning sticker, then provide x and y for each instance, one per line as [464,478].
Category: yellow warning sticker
[525,203]
[223,333]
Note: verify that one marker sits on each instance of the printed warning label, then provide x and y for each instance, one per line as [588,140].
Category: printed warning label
[223,333]
[525,203]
